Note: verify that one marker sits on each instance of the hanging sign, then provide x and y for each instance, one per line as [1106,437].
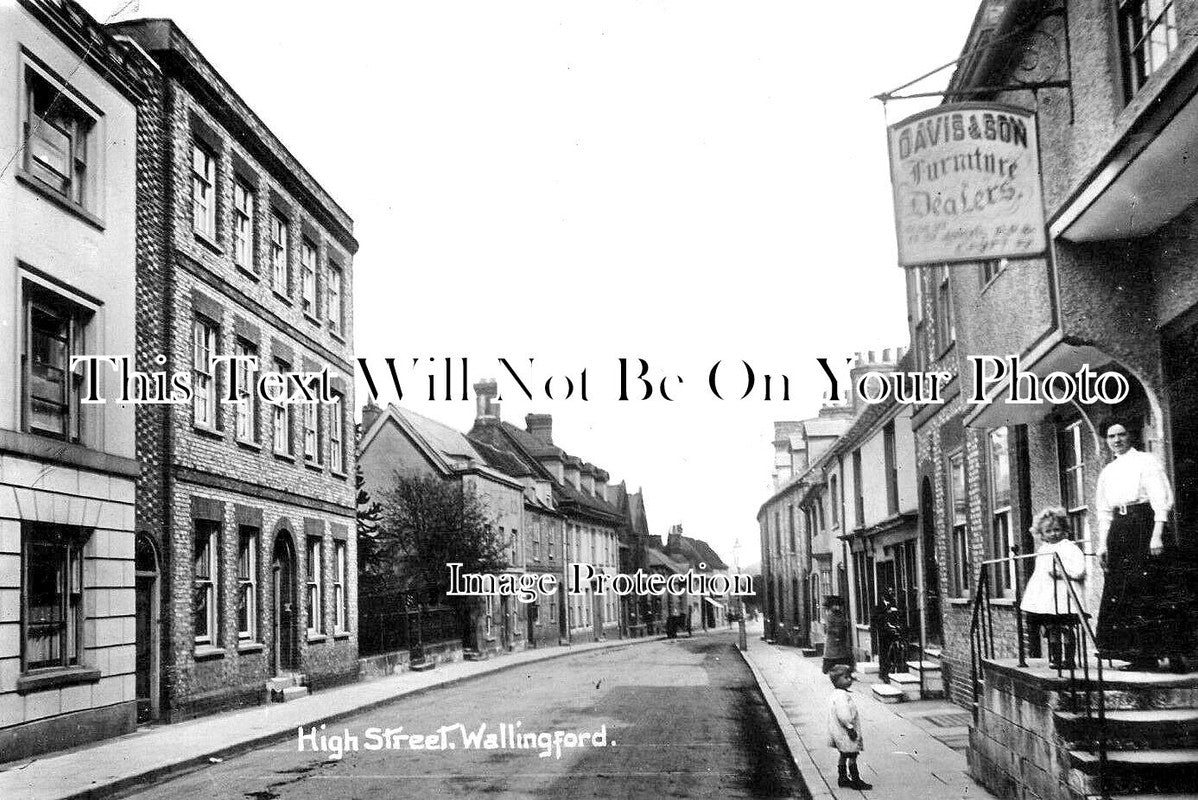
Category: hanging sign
[966,180]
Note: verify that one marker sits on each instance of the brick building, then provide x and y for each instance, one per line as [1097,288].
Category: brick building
[245,509]
[579,493]
[1117,292]
[67,470]
[794,523]
[637,617]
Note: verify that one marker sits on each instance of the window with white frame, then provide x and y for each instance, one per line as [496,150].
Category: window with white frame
[247,581]
[946,329]
[280,415]
[340,580]
[1000,514]
[279,273]
[959,505]
[333,298]
[337,434]
[54,331]
[51,595]
[243,225]
[207,533]
[1071,453]
[247,404]
[203,382]
[313,595]
[308,278]
[551,541]
[58,136]
[203,190]
[311,450]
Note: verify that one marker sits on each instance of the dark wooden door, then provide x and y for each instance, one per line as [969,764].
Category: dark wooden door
[147,586]
[284,605]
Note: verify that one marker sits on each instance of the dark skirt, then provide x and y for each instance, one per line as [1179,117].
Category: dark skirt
[1147,600]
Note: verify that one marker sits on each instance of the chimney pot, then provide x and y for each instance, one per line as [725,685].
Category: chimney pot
[487,407]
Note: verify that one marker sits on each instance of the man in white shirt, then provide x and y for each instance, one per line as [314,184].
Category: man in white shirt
[1133,499]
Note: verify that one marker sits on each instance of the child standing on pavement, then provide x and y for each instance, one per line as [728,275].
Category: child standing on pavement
[844,729]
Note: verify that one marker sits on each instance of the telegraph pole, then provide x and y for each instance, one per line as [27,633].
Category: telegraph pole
[742,639]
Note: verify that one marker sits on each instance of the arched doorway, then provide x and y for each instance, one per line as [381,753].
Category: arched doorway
[933,625]
[147,619]
[284,639]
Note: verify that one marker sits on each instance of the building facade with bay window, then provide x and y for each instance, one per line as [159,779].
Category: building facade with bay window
[245,508]
[67,469]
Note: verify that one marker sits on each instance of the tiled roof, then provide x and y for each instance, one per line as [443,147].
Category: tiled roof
[448,442]
[505,461]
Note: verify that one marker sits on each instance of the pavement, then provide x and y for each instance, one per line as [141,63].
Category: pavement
[153,752]
[914,750]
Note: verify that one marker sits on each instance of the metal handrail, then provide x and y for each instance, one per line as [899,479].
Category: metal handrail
[983,646]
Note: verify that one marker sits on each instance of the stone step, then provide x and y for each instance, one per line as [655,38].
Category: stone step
[1135,729]
[474,655]
[907,683]
[1129,697]
[422,666]
[280,682]
[808,651]
[886,693]
[923,666]
[1164,771]
[291,693]
[868,668]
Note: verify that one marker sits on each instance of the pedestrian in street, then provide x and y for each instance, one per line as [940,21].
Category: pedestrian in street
[844,729]
[884,622]
[1144,605]
[1047,600]
[837,646]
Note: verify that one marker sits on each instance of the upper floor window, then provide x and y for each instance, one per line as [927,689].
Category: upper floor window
[790,525]
[890,455]
[243,225]
[57,134]
[314,595]
[1147,35]
[280,416]
[858,489]
[54,330]
[333,301]
[203,382]
[917,294]
[203,190]
[204,610]
[834,500]
[988,270]
[247,576]
[336,435]
[311,449]
[340,593]
[278,253]
[308,278]
[247,404]
[946,330]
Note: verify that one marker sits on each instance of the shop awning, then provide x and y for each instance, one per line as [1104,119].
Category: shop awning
[1148,177]
[1057,357]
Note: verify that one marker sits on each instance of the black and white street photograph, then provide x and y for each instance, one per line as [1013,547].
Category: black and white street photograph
[636,399]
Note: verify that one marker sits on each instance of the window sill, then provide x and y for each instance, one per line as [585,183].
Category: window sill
[941,354]
[59,200]
[315,466]
[282,298]
[208,242]
[249,273]
[248,445]
[1003,602]
[315,638]
[308,316]
[336,334]
[341,636]
[250,647]
[205,652]
[205,430]
[284,456]
[336,473]
[959,601]
[55,678]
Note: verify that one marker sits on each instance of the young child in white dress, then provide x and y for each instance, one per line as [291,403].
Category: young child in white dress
[1047,600]
[844,728]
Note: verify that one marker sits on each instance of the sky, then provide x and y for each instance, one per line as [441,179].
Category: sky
[680,182]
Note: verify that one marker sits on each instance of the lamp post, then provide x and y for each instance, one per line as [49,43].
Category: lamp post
[742,640]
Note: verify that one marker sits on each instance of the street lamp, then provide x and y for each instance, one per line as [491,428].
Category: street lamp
[742,639]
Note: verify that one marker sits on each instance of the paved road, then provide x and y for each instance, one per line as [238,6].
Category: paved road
[683,719]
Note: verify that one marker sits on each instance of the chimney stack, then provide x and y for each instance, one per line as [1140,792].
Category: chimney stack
[540,426]
[370,412]
[486,404]
[674,540]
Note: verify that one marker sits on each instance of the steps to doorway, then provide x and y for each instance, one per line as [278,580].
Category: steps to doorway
[287,687]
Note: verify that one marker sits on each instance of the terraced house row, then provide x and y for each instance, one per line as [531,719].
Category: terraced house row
[162,561]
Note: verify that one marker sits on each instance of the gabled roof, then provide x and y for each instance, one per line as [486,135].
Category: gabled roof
[697,551]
